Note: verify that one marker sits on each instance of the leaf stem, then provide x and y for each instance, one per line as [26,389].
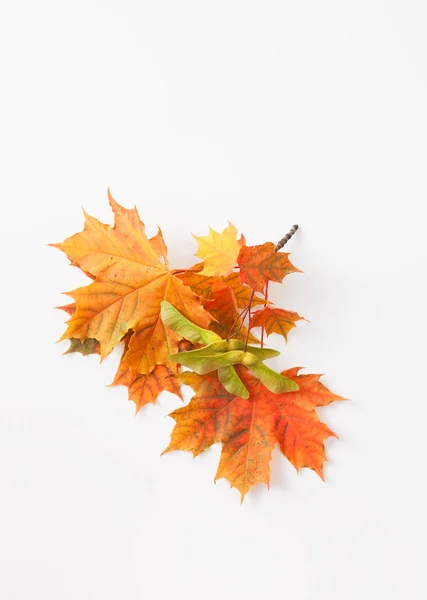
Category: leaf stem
[249,318]
[265,304]
[241,314]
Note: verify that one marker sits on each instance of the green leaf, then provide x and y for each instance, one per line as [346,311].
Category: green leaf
[276,383]
[232,382]
[173,319]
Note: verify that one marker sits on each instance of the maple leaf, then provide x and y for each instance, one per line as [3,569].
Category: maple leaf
[275,320]
[99,247]
[219,251]
[242,292]
[144,389]
[249,429]
[130,282]
[203,285]
[224,308]
[260,264]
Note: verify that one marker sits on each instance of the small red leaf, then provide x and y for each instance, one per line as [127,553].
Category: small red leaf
[260,264]
[275,320]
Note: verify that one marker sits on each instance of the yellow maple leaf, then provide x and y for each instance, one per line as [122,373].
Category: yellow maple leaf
[219,251]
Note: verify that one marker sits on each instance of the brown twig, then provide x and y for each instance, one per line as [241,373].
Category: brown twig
[287,237]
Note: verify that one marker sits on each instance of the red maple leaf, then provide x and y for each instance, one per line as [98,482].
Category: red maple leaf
[249,429]
[275,320]
[260,264]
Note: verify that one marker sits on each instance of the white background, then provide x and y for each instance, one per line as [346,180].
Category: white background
[266,113]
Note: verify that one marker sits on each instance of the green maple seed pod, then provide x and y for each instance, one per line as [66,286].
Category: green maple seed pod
[221,355]
[234,344]
[250,360]
[262,353]
[274,382]
[204,360]
[173,319]
[232,382]
[219,346]
[234,357]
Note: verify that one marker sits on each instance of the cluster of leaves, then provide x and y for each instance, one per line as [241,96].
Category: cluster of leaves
[202,318]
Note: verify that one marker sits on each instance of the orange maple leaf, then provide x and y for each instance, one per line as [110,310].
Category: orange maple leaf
[275,320]
[203,285]
[144,389]
[219,251]
[249,429]
[130,280]
[224,308]
[260,264]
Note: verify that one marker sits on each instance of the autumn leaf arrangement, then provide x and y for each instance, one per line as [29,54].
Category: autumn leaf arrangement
[205,327]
